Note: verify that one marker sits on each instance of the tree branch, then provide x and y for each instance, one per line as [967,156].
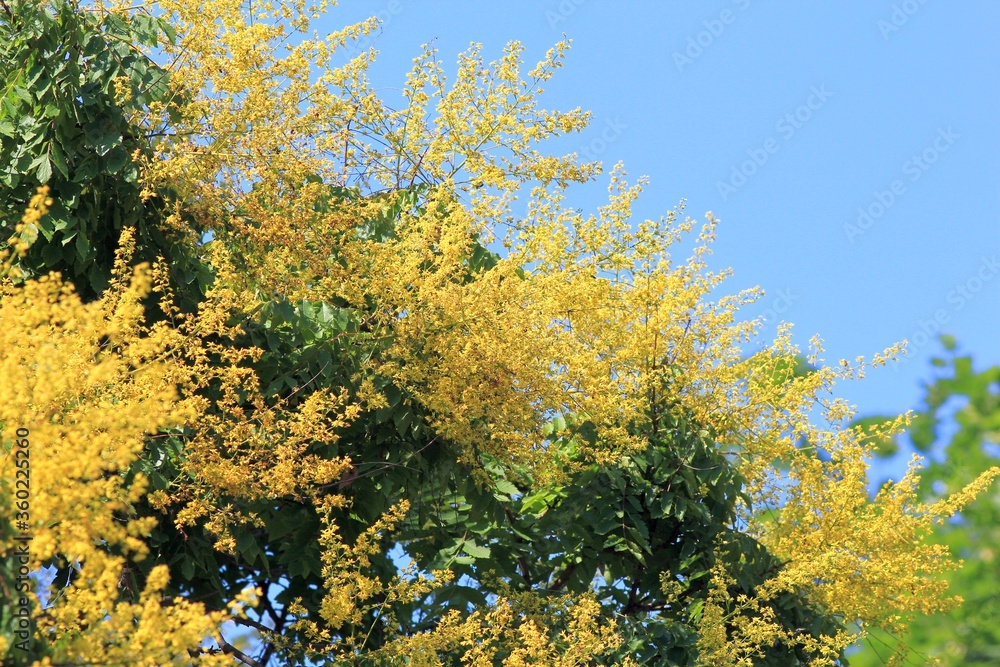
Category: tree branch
[522,563]
[563,578]
[229,649]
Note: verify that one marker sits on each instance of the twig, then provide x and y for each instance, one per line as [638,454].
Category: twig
[229,649]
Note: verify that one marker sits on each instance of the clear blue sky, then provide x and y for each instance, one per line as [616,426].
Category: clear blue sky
[784,119]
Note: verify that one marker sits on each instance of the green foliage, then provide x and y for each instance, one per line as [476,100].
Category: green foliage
[643,535]
[74,115]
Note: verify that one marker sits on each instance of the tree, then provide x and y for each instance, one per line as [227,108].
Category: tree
[348,386]
[957,426]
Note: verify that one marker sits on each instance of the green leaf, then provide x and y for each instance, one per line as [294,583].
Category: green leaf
[44,172]
[402,419]
[104,141]
[59,159]
[506,487]
[168,30]
[695,610]
[117,159]
[475,550]
[85,171]
[22,94]
[923,432]
[115,25]
[948,342]
[27,126]
[82,246]
[51,254]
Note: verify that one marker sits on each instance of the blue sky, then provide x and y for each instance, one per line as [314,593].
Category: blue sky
[851,149]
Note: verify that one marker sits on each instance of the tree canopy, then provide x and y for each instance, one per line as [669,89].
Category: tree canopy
[288,379]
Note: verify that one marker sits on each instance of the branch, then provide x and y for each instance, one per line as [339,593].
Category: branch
[279,625]
[563,578]
[525,571]
[252,623]
[229,649]
[631,605]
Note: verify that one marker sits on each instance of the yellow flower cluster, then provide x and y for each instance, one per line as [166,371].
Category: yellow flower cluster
[516,630]
[82,389]
[26,232]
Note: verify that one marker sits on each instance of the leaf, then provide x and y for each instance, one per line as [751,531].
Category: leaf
[116,159]
[44,172]
[104,141]
[22,94]
[403,419]
[115,25]
[167,29]
[506,487]
[85,171]
[58,158]
[247,546]
[475,550]
[923,432]
[695,610]
[51,254]
[27,127]
[82,246]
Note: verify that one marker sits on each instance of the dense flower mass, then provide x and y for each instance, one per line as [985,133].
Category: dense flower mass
[318,344]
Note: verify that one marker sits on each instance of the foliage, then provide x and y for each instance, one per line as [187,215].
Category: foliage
[563,438]
[958,427]
[74,116]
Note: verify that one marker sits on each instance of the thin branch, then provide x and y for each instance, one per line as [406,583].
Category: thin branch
[229,649]
[521,561]
[252,623]
[563,578]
